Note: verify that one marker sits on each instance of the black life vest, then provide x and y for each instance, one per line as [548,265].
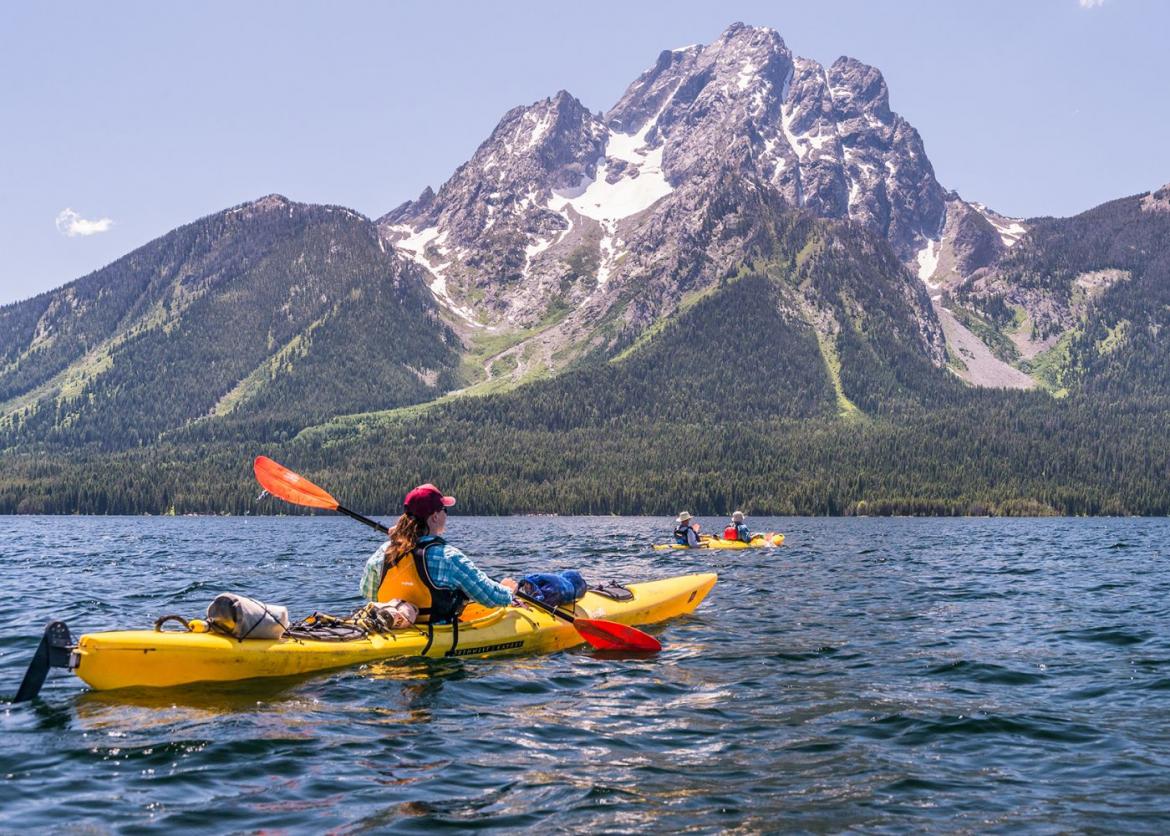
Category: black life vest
[681,535]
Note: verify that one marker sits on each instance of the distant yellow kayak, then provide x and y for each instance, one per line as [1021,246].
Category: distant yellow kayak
[758,542]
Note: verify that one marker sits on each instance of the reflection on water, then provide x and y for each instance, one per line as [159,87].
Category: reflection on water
[898,675]
[209,698]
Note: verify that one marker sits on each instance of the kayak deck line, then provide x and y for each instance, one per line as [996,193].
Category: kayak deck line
[151,658]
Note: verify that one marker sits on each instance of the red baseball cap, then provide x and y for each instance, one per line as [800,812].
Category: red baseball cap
[426,500]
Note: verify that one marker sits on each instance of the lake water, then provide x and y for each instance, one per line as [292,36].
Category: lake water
[873,674]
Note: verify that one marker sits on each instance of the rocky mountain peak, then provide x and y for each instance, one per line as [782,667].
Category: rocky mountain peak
[742,40]
[858,87]
[274,207]
[559,209]
[266,208]
[1158,200]
[533,149]
[825,138]
[263,205]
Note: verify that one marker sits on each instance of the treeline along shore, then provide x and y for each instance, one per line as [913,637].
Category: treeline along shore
[997,454]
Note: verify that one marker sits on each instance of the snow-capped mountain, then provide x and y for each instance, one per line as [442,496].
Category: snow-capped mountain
[825,138]
[560,212]
[746,236]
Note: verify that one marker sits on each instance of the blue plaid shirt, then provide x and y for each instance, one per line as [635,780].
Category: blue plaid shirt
[448,567]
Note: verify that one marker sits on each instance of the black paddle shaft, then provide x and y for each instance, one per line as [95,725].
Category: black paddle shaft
[541,605]
[363,520]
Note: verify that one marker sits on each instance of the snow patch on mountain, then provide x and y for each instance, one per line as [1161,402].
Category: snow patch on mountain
[928,260]
[787,117]
[531,251]
[1010,229]
[541,129]
[608,251]
[639,186]
[639,183]
[747,74]
[415,245]
[1012,233]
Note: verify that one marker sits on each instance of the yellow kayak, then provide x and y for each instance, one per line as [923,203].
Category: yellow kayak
[758,541]
[152,658]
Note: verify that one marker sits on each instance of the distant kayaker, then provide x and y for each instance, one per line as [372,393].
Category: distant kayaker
[737,530]
[684,534]
[418,566]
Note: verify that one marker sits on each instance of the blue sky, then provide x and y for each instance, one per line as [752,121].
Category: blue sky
[139,117]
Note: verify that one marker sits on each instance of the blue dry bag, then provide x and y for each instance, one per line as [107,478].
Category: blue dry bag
[554,589]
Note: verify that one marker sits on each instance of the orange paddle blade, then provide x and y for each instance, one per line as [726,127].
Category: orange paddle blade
[279,481]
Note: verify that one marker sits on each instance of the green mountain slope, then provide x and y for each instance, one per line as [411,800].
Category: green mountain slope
[1100,282]
[276,313]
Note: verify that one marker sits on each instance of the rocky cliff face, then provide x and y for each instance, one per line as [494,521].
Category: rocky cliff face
[824,138]
[1158,200]
[480,238]
[590,227]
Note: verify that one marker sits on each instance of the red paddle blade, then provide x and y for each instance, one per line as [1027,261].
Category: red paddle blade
[279,481]
[609,635]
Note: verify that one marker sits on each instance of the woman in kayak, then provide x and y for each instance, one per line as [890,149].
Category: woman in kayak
[737,530]
[418,566]
[686,535]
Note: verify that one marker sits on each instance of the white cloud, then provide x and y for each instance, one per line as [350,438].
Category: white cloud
[72,224]
[1091,4]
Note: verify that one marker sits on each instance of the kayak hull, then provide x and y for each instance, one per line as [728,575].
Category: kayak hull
[758,542]
[149,658]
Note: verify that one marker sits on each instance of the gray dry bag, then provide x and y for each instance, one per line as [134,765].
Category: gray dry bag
[246,618]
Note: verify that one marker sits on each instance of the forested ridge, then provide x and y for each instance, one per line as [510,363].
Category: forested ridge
[744,399]
[1017,456]
[275,313]
[1119,342]
[621,438]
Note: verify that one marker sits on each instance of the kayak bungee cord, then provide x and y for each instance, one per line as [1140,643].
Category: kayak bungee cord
[320,626]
